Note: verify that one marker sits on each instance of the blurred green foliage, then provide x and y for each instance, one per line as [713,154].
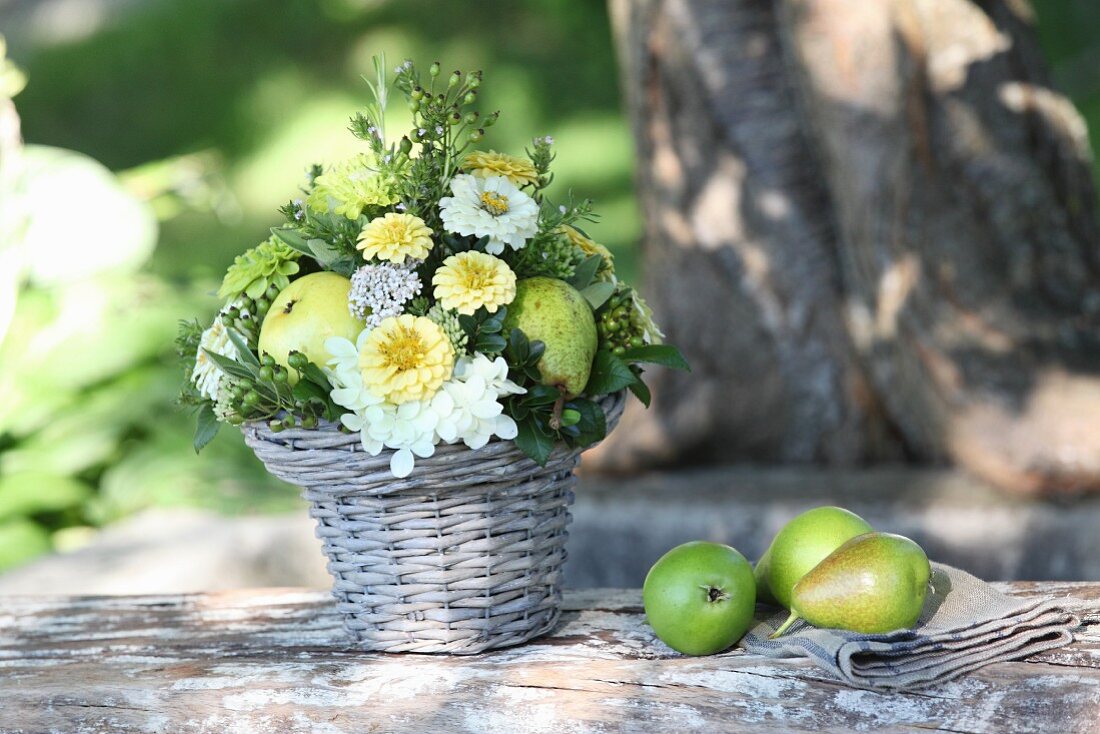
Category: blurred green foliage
[212,110]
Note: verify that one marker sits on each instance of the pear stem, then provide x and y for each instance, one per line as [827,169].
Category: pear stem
[555,416]
[785,626]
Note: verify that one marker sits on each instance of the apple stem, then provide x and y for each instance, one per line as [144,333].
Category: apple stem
[785,626]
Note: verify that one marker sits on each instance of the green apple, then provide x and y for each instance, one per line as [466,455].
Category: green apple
[306,313]
[805,542]
[699,597]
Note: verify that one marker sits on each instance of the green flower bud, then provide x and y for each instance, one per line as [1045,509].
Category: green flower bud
[405,146]
[473,79]
[471,117]
[470,97]
[454,119]
[477,135]
[417,92]
[491,119]
[414,105]
[456,77]
[434,69]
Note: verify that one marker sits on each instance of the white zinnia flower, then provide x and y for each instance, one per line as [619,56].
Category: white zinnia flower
[468,404]
[408,428]
[207,375]
[490,207]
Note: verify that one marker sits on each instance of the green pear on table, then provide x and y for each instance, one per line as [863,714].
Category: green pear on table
[873,583]
[802,544]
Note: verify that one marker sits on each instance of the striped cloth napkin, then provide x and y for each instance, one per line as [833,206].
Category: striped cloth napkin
[965,624]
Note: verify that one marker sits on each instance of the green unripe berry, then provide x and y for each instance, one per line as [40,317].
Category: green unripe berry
[471,117]
[470,97]
[297,360]
[309,422]
[276,426]
[477,135]
[234,420]
[417,92]
[267,374]
[618,351]
[281,375]
[637,341]
[491,119]
[405,146]
[251,398]
[456,77]
[414,105]
[289,421]
[454,119]
[267,360]
[434,69]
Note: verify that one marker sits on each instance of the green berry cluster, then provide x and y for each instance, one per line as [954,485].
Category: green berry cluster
[619,324]
[552,256]
[271,397]
[246,315]
[447,320]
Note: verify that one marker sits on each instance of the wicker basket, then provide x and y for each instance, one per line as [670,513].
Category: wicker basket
[462,556]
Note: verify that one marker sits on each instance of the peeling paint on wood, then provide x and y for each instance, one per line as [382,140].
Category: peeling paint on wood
[277,661]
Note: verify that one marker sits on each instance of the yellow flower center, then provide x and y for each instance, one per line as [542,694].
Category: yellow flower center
[493,203]
[404,350]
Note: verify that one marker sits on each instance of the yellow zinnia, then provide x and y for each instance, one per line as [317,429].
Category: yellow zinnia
[469,280]
[519,171]
[394,237]
[590,247]
[406,358]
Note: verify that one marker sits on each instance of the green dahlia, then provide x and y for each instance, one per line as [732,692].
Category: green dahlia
[269,263]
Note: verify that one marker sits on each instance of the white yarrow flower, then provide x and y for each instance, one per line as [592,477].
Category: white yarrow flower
[490,207]
[380,291]
[207,376]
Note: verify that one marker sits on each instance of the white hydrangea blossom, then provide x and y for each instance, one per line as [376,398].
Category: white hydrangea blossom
[379,291]
[469,405]
[490,207]
[207,376]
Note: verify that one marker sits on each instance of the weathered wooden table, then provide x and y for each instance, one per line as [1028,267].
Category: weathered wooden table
[276,661]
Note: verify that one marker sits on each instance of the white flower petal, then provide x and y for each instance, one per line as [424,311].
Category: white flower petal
[401,463]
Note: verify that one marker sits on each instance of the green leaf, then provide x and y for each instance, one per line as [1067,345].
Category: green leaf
[292,238]
[323,252]
[592,425]
[33,492]
[518,347]
[663,354]
[640,389]
[20,541]
[246,355]
[598,293]
[609,374]
[586,272]
[206,427]
[534,440]
[231,367]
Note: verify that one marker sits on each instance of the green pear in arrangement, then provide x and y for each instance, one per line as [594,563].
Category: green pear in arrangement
[553,312]
[873,583]
[804,542]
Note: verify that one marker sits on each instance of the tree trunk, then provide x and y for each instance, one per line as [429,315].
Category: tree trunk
[872,228]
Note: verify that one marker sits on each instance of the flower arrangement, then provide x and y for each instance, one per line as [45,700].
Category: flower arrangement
[425,291]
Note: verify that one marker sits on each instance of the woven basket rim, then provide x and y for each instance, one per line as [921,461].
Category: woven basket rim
[316,449]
